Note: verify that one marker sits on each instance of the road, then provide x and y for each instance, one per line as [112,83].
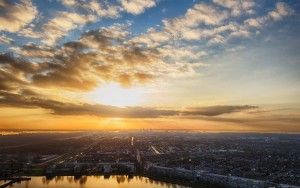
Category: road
[155,150]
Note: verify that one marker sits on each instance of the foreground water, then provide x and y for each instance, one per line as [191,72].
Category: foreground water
[94,181]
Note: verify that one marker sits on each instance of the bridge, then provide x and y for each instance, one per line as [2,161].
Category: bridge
[13,180]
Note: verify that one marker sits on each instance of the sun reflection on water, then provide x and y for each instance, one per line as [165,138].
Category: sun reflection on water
[114,181]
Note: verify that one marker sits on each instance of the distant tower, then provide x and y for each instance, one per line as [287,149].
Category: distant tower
[138,156]
[132,139]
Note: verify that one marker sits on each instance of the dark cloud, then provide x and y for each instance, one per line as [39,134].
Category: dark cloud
[62,108]
[73,72]
[12,71]
[74,68]
[219,110]
[263,122]
[98,56]
[28,92]
[9,81]
[30,99]
[34,51]
[10,63]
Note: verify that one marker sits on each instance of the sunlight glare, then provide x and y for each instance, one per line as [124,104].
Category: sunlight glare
[115,95]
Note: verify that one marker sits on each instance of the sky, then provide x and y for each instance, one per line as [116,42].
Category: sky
[208,65]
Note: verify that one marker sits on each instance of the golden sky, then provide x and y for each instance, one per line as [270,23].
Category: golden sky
[216,65]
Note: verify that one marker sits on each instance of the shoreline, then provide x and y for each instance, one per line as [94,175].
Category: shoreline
[177,181]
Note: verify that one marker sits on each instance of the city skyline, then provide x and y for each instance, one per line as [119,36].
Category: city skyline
[211,65]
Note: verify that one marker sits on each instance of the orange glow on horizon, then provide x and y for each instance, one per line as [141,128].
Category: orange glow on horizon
[45,121]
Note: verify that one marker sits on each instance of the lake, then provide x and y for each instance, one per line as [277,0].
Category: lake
[93,181]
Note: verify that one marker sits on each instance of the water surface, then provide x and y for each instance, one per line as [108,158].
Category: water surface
[94,181]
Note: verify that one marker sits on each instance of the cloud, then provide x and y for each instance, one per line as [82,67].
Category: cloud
[111,54]
[62,23]
[181,53]
[62,108]
[13,72]
[30,71]
[99,56]
[153,38]
[281,11]
[251,22]
[237,7]
[32,50]
[202,21]
[256,118]
[29,32]
[241,33]
[137,6]
[109,11]
[73,69]
[16,67]
[30,99]
[252,25]
[69,2]
[212,24]
[71,72]
[9,81]
[196,16]
[5,39]
[106,36]
[219,110]
[102,9]
[14,16]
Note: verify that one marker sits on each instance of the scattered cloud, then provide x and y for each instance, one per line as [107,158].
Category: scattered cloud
[14,16]
[62,23]
[237,7]
[29,32]
[187,26]
[34,51]
[69,2]
[102,9]
[206,22]
[251,22]
[114,53]
[111,54]
[137,6]
[5,39]
[282,10]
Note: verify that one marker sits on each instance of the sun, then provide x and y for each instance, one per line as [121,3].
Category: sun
[115,95]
